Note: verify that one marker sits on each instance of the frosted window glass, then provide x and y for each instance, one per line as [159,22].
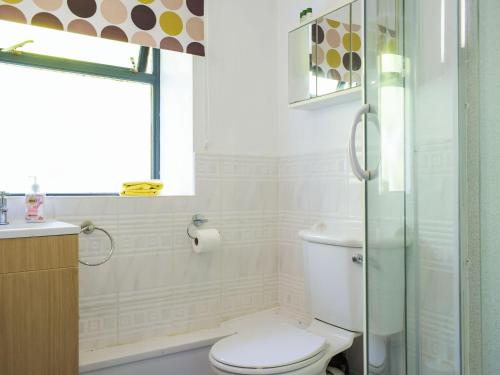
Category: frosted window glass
[77,133]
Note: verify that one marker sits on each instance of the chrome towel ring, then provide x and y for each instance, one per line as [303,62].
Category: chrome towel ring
[87,227]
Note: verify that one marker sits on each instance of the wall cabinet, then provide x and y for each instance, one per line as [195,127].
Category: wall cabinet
[325,55]
[39,305]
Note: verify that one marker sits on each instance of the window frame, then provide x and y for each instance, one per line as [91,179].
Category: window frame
[105,71]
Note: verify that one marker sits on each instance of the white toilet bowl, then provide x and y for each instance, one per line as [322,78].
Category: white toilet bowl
[334,282]
[282,349]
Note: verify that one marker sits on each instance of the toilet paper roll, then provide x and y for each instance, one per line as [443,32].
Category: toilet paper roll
[206,240]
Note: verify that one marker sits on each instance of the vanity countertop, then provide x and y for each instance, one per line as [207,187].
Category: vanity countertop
[21,229]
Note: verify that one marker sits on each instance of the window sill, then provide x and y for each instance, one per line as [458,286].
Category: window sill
[105,195]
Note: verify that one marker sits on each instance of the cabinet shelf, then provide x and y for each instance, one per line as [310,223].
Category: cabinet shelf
[328,100]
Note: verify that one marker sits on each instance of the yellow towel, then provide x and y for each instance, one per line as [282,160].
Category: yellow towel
[141,188]
[140,193]
[142,185]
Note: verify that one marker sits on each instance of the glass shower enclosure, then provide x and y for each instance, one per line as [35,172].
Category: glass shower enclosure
[411,143]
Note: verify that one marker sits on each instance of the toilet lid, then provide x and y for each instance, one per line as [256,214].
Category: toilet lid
[281,345]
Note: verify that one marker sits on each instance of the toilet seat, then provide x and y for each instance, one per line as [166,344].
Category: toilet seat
[279,349]
[311,366]
[262,349]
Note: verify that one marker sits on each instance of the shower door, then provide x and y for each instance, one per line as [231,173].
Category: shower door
[385,187]
[411,186]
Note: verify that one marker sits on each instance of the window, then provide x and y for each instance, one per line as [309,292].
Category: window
[80,113]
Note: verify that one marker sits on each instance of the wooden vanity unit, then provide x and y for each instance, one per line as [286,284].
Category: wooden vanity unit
[39,299]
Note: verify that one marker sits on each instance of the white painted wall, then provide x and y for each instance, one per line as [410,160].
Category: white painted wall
[234,92]
[241,79]
[179,71]
[305,132]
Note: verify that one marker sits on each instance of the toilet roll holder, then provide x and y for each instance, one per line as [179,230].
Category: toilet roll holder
[197,221]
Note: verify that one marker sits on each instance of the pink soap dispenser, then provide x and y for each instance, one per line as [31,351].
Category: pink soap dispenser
[35,202]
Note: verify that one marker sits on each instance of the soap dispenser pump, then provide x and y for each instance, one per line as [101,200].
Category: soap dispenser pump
[35,202]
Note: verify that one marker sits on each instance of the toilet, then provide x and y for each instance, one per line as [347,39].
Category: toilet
[334,284]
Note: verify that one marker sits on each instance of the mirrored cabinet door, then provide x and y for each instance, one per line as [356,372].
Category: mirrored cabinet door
[301,75]
[333,51]
[325,56]
[356,43]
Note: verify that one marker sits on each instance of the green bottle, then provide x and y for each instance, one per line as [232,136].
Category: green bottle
[302,16]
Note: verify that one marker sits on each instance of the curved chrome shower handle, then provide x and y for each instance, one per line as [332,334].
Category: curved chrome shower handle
[359,172]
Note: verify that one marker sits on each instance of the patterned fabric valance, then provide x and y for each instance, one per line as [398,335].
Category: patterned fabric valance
[176,25]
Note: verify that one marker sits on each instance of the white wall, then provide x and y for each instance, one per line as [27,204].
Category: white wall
[242,95]
[316,182]
[178,74]
[235,94]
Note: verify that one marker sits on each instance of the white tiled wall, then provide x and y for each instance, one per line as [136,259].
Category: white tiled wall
[154,284]
[433,311]
[312,188]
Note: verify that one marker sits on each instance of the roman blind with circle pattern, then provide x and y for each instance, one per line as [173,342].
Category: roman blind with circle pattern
[176,25]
